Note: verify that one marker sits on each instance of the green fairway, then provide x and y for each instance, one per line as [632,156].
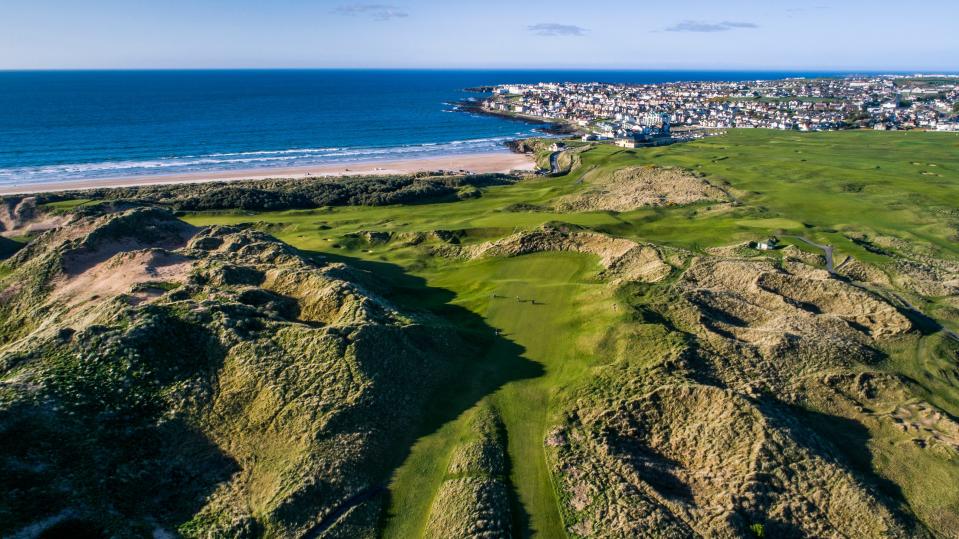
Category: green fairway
[899,184]
[844,189]
[896,183]
[560,312]
[65,205]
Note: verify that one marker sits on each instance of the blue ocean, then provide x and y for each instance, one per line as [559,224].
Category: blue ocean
[74,125]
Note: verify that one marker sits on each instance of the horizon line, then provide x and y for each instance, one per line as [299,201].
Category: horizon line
[843,70]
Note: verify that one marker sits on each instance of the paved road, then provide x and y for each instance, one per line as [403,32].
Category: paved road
[903,302]
[554,162]
[826,249]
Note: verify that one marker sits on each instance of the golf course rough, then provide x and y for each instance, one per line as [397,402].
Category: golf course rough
[602,353]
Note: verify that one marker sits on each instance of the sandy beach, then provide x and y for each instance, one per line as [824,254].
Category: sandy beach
[476,163]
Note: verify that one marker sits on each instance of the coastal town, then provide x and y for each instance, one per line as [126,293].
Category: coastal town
[661,113]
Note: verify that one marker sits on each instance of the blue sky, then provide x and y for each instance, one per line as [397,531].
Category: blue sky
[598,34]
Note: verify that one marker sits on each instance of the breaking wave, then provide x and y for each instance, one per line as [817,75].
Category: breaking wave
[259,159]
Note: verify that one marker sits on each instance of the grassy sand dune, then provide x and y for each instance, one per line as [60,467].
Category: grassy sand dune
[601,380]
[844,189]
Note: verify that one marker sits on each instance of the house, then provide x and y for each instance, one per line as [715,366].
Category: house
[557,146]
[627,143]
[767,245]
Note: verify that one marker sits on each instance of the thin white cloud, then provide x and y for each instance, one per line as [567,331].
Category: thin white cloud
[804,9]
[699,26]
[380,12]
[554,29]
[794,11]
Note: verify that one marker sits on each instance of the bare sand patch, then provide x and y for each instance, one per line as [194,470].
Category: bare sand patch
[22,218]
[121,272]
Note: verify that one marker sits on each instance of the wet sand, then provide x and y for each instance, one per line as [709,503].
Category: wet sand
[476,163]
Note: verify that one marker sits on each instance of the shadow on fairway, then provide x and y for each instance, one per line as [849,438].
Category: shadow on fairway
[489,361]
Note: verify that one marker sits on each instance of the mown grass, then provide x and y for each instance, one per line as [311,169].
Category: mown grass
[829,187]
[67,205]
[823,185]
[835,182]
[558,332]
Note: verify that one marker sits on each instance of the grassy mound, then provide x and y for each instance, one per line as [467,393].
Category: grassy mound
[632,188]
[257,392]
[492,365]
[474,501]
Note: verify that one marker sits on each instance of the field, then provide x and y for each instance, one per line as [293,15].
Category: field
[558,310]
[554,356]
[851,190]
[843,189]
[822,183]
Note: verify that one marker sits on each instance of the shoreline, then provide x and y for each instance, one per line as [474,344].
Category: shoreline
[549,126]
[478,163]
